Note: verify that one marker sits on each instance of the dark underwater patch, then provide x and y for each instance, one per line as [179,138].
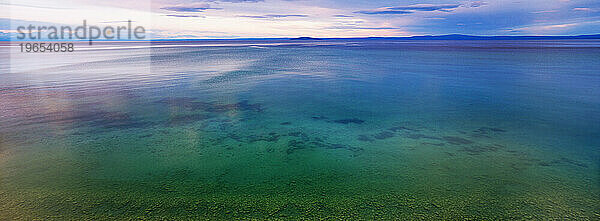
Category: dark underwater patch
[349,121]
[434,144]
[295,134]
[318,117]
[195,105]
[393,131]
[486,132]
[383,135]
[563,160]
[271,137]
[234,136]
[489,129]
[301,135]
[365,138]
[117,120]
[295,145]
[145,135]
[415,136]
[456,140]
[401,128]
[479,149]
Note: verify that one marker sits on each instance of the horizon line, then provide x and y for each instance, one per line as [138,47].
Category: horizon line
[425,37]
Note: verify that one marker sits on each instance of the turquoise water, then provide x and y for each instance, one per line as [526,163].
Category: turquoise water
[363,129]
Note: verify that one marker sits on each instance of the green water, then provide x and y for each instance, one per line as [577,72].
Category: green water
[291,132]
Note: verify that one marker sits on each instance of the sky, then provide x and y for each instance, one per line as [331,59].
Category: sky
[211,19]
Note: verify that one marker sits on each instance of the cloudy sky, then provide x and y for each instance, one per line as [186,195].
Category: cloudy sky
[322,18]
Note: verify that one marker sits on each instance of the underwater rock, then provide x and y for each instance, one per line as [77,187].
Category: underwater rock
[422,136]
[295,134]
[186,119]
[318,139]
[477,135]
[379,136]
[302,135]
[383,135]
[141,136]
[456,140]
[477,149]
[575,163]
[563,160]
[489,129]
[434,144]
[365,138]
[235,137]
[400,128]
[350,120]
[318,117]
[485,131]
[294,145]
[271,137]
[545,164]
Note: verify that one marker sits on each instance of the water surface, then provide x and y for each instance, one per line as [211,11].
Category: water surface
[373,129]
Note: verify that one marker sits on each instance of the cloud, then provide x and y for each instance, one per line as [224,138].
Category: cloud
[235,1]
[409,9]
[362,28]
[198,7]
[584,9]
[31,6]
[383,11]
[426,7]
[545,11]
[335,18]
[272,16]
[476,4]
[546,28]
[398,10]
[541,28]
[184,16]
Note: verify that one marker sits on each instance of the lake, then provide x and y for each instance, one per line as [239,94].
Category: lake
[317,129]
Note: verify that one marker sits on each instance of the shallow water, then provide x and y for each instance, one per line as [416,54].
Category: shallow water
[328,129]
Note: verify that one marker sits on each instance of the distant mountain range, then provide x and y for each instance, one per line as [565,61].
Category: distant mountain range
[424,37]
[467,37]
